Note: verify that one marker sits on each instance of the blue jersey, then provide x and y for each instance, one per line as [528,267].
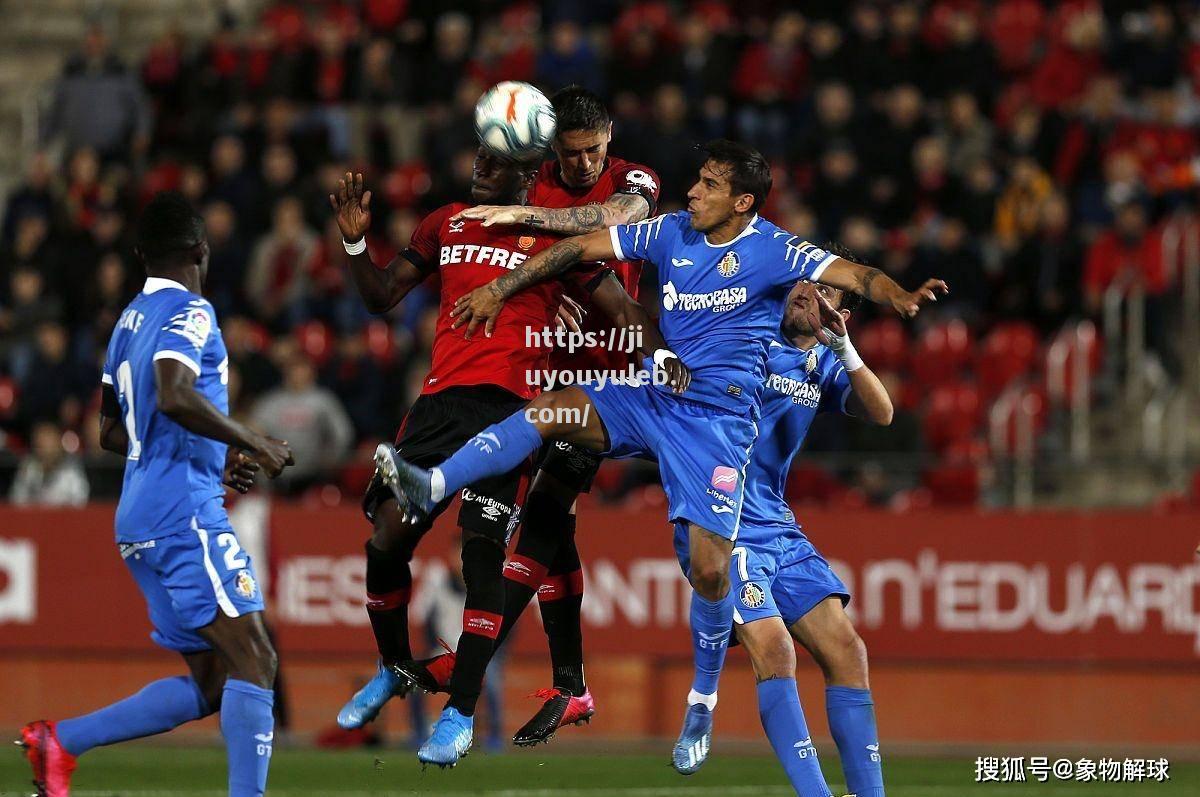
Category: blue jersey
[172,476]
[721,303]
[799,384]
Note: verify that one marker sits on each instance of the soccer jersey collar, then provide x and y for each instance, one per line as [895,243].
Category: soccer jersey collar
[156,284]
[748,231]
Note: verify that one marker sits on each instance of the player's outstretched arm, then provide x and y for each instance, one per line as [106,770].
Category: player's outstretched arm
[483,304]
[868,398]
[617,209]
[381,288]
[611,297]
[873,284]
[178,399]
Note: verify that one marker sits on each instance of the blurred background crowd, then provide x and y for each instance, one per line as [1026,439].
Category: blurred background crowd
[1041,157]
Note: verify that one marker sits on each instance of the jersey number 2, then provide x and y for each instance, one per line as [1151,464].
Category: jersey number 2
[125,388]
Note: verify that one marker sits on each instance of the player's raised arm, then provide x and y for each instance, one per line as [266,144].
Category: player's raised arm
[178,399]
[483,304]
[617,209]
[868,398]
[381,288]
[874,285]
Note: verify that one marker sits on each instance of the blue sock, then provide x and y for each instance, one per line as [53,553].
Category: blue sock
[159,707]
[852,722]
[783,720]
[712,623]
[496,450]
[249,730]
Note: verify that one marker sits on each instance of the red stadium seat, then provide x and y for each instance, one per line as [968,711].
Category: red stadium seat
[941,353]
[953,484]
[9,392]
[315,340]
[953,414]
[380,345]
[883,344]
[1008,352]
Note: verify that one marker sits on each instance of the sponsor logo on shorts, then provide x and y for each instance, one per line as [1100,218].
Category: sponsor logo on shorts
[492,509]
[725,478]
[517,567]
[753,596]
[245,585]
[717,495]
[721,510]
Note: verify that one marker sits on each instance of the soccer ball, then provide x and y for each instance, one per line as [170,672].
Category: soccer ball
[514,120]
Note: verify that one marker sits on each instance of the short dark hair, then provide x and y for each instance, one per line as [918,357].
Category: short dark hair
[576,108]
[168,226]
[850,300]
[749,171]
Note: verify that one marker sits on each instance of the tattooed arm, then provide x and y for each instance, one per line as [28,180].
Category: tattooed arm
[873,284]
[483,304]
[617,209]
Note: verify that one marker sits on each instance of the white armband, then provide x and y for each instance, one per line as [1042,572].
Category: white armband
[356,248]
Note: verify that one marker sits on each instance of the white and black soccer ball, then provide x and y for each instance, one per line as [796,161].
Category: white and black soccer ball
[514,120]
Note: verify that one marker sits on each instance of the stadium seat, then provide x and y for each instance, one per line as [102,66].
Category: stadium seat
[952,484]
[377,335]
[1009,352]
[1032,399]
[883,344]
[315,340]
[810,484]
[941,353]
[9,394]
[952,414]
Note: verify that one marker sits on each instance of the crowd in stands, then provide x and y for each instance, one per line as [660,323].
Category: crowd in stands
[1027,152]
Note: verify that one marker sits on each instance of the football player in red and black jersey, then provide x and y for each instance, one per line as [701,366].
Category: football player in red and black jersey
[473,382]
[583,190]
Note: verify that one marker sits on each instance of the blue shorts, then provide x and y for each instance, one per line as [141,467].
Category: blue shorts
[783,576]
[187,578]
[702,451]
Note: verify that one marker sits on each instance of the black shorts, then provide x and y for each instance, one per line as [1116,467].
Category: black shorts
[572,465]
[438,425]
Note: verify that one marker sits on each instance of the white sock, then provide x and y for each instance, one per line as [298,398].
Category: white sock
[710,701]
[437,485]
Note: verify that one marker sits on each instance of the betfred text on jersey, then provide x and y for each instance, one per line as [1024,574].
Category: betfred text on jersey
[484,255]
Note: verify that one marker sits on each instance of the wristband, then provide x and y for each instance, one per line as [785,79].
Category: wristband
[356,248]
[845,351]
[661,355]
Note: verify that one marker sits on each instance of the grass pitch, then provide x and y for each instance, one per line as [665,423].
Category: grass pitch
[143,770]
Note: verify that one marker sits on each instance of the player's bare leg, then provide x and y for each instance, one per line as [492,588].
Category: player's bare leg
[563,415]
[711,621]
[773,656]
[827,633]
[394,537]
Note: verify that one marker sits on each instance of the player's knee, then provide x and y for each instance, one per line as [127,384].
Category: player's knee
[392,533]
[710,580]
[483,562]
[772,653]
[845,659]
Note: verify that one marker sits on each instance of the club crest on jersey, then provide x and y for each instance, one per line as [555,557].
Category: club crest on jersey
[810,362]
[724,478]
[753,596]
[729,265]
[245,585]
[526,241]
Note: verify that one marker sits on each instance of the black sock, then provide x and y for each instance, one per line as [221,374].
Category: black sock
[482,560]
[389,590]
[560,604]
[543,523]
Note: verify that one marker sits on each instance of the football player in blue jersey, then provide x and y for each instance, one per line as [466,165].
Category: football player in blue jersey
[166,410]
[780,582]
[724,274]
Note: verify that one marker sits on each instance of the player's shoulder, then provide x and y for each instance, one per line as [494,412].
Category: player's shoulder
[192,317]
[632,172]
[436,219]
